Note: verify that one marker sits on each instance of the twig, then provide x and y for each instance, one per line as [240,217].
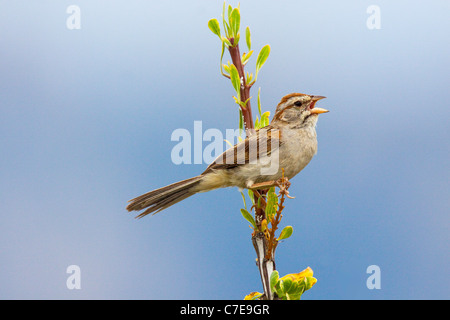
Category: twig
[245,89]
[259,240]
[272,241]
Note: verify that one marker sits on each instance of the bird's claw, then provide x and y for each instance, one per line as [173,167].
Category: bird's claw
[284,185]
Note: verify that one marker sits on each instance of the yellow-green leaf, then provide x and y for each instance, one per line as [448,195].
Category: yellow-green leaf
[214,26]
[236,39]
[259,101]
[309,282]
[265,119]
[262,57]
[257,126]
[253,296]
[286,233]
[308,272]
[243,198]
[247,39]
[235,22]
[249,77]
[292,286]
[241,121]
[251,195]
[226,41]
[273,279]
[246,57]
[264,225]
[247,216]
[235,80]
[272,202]
[221,58]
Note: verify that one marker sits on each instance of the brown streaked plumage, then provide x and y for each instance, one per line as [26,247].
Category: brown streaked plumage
[264,139]
[287,97]
[289,142]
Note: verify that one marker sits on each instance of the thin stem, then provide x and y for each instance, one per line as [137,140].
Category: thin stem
[235,54]
[272,243]
[259,240]
[245,89]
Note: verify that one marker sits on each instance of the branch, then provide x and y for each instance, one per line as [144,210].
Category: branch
[259,240]
[231,24]
[284,185]
[245,88]
[265,266]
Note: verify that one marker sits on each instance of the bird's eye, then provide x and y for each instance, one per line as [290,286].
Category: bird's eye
[298,103]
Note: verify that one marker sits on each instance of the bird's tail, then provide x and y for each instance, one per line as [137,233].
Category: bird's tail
[164,197]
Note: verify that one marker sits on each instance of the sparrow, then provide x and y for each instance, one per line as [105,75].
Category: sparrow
[281,149]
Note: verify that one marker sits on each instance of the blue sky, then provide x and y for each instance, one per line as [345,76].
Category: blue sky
[87,117]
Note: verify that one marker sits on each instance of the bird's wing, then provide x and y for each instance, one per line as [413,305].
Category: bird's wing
[260,144]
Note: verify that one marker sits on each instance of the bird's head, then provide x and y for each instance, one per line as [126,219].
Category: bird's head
[299,108]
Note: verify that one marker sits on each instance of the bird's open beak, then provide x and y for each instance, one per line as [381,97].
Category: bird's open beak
[317,110]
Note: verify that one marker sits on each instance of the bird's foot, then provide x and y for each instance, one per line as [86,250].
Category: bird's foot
[284,185]
[262,185]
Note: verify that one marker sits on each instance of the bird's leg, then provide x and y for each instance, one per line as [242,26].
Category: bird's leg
[258,195]
[284,185]
[262,185]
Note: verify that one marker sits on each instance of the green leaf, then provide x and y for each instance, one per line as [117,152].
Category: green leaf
[235,22]
[265,119]
[226,68]
[259,101]
[271,204]
[252,197]
[226,41]
[292,289]
[259,202]
[286,285]
[244,103]
[253,296]
[246,57]
[221,58]
[285,233]
[257,126]
[247,216]
[241,121]
[236,39]
[249,77]
[262,57]
[302,284]
[225,24]
[274,276]
[214,26]
[235,81]
[247,39]
[243,199]
[279,291]
[309,282]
